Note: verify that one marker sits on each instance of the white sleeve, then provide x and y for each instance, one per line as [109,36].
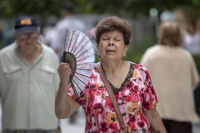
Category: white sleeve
[57,39]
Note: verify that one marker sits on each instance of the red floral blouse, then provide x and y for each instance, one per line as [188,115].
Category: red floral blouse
[137,95]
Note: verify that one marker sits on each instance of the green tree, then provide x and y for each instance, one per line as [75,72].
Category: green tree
[43,8]
[132,8]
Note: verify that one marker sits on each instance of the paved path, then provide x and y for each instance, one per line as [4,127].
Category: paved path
[196,128]
[77,127]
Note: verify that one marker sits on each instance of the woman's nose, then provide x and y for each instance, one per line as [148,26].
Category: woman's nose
[111,43]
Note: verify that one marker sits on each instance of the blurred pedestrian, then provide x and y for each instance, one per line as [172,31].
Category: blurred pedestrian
[167,15]
[49,30]
[174,77]
[69,21]
[180,18]
[192,38]
[28,81]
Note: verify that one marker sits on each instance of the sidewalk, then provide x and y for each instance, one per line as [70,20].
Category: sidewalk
[78,127]
[196,128]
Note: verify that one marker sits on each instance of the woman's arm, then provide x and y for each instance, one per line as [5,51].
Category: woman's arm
[155,121]
[64,104]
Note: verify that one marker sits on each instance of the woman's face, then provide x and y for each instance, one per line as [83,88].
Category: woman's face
[112,46]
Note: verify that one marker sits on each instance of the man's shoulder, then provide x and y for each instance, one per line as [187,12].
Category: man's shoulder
[9,58]
[47,49]
[49,52]
[7,50]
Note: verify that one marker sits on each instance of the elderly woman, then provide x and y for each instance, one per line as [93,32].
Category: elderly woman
[130,83]
[175,77]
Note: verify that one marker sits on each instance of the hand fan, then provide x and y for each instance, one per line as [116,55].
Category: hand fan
[80,55]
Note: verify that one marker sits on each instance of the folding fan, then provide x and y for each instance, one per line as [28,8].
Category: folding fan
[80,55]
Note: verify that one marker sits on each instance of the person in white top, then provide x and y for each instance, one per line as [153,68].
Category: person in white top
[69,21]
[192,39]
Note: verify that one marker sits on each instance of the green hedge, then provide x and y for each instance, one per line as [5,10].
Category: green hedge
[133,56]
[197,61]
[197,91]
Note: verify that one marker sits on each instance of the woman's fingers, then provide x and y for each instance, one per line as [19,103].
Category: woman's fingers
[64,67]
[64,70]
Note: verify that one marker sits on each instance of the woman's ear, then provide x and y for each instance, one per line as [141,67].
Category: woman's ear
[125,50]
[97,46]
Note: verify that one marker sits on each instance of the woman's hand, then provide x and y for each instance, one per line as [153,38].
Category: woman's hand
[64,72]
[64,104]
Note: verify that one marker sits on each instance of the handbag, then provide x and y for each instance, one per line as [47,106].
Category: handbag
[112,97]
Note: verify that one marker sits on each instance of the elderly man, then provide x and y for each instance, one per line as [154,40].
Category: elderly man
[28,81]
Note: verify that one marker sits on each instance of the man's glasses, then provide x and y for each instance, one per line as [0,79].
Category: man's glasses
[24,36]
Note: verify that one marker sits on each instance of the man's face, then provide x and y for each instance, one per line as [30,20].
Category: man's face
[27,42]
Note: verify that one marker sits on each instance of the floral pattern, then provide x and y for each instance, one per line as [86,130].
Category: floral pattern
[137,96]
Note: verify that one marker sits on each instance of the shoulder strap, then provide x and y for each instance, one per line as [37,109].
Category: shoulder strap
[112,97]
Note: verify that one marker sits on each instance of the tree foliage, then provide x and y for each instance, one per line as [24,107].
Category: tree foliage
[43,8]
[132,8]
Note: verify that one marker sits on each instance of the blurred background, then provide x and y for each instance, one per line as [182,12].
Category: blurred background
[144,17]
